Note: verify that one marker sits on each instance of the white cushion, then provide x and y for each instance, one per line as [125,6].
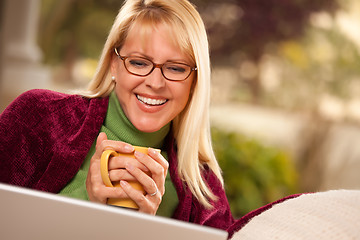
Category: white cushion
[324,215]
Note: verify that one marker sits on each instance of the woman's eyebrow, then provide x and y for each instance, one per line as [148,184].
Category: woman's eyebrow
[183,61]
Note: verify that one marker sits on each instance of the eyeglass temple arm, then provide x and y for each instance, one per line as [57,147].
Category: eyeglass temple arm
[117,53]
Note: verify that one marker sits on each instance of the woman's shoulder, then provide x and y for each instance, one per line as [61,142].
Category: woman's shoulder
[38,96]
[45,104]
[52,100]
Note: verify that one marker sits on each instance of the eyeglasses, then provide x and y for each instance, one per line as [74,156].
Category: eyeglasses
[140,66]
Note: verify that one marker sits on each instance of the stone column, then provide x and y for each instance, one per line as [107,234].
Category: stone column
[21,56]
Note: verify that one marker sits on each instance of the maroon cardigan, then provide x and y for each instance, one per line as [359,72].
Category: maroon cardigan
[45,137]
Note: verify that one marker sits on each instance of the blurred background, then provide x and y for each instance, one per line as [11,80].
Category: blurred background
[285,104]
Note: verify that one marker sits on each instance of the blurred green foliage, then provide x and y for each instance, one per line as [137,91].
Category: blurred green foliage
[254,174]
[72,29]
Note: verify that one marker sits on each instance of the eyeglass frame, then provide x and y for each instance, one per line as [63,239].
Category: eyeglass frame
[155,65]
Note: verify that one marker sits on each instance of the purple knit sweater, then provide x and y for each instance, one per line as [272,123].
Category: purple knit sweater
[46,135]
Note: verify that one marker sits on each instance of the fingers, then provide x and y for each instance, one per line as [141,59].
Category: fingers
[147,182]
[102,193]
[160,159]
[120,162]
[148,169]
[102,136]
[146,203]
[158,169]
[116,164]
[97,191]
[120,174]
[153,184]
[102,144]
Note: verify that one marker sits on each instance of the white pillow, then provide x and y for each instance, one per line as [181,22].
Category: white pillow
[324,215]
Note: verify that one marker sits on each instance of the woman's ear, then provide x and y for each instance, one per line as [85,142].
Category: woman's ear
[113,65]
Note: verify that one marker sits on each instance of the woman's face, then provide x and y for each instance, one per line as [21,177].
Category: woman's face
[150,102]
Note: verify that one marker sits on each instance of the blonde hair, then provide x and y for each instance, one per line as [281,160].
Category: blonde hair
[191,127]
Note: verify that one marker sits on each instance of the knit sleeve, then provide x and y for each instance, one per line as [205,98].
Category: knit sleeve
[19,142]
[219,216]
[45,137]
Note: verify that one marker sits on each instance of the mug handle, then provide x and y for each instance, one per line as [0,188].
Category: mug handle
[104,166]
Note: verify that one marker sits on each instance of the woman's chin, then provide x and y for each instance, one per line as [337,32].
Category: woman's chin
[148,126]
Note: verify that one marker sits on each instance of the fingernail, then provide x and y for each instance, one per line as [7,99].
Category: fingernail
[138,154]
[129,148]
[152,151]
[123,183]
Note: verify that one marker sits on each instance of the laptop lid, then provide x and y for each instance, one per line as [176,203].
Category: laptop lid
[30,214]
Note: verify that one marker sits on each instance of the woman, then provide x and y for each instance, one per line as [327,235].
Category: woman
[152,89]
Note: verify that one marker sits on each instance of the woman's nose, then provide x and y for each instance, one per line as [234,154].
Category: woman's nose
[155,79]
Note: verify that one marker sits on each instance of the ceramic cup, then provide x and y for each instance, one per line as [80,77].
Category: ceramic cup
[121,202]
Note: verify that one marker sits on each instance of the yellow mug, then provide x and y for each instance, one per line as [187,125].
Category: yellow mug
[104,169]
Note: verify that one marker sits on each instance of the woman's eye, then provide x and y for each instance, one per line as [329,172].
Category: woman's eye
[175,68]
[138,63]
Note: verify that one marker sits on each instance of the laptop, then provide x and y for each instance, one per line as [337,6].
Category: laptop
[30,214]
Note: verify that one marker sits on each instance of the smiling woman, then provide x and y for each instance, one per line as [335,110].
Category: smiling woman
[163,32]
[151,89]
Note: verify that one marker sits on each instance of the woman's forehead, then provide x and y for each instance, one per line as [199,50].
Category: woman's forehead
[143,31]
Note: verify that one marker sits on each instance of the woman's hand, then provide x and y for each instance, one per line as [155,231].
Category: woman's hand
[154,185]
[96,189]
[149,170]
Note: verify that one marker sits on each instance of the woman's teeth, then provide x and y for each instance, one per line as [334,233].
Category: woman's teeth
[150,101]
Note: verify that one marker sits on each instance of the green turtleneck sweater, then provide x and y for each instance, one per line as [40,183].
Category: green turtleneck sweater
[117,127]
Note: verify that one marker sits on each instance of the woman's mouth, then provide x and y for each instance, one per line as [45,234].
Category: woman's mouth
[151,101]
